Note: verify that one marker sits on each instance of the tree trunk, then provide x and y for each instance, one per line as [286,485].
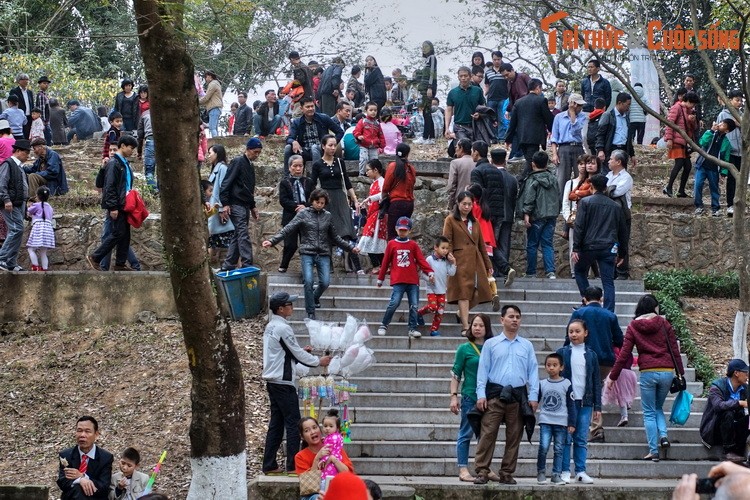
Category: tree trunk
[742,244]
[217,428]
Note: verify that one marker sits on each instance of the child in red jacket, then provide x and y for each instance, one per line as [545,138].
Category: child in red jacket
[405,258]
[369,136]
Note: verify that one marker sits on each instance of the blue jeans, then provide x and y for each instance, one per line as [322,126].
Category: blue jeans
[502,124]
[14,221]
[606,261]
[213,121]
[271,127]
[149,162]
[412,294]
[323,263]
[314,496]
[540,232]
[548,433]
[464,432]
[701,174]
[105,262]
[654,390]
[579,439]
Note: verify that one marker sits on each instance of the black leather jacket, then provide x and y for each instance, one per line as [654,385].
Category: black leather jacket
[317,232]
[600,224]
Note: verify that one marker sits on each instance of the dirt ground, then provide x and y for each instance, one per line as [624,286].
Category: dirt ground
[134,379]
[711,322]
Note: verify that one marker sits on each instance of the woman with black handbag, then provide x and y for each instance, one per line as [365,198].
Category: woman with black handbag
[331,172]
[660,365]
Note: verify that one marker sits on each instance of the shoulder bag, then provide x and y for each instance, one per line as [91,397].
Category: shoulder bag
[678,382]
[309,482]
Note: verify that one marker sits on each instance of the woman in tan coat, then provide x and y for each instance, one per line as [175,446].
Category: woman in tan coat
[469,286]
[213,101]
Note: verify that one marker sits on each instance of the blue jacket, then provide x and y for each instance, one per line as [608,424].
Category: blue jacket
[592,395]
[84,121]
[323,124]
[51,168]
[604,331]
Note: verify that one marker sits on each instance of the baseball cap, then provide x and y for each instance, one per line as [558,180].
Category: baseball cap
[279,299]
[254,143]
[403,223]
[577,98]
[736,365]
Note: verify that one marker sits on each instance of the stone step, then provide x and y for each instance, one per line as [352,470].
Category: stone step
[375,316]
[437,385]
[526,468]
[507,295]
[442,400]
[416,355]
[429,416]
[596,451]
[539,284]
[354,304]
[422,371]
[396,337]
[448,432]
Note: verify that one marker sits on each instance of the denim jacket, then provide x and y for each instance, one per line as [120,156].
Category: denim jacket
[592,395]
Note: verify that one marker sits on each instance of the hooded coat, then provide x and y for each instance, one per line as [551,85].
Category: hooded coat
[636,111]
[541,195]
[649,333]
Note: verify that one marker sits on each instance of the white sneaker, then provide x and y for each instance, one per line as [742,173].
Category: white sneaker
[429,142]
[418,140]
[382,330]
[730,211]
[565,476]
[551,276]
[414,334]
[583,478]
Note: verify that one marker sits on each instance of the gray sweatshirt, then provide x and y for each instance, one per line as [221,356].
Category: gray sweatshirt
[735,136]
[442,269]
[554,398]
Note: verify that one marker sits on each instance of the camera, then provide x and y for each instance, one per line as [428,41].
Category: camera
[706,485]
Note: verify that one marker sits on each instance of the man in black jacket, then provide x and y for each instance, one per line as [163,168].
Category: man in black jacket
[267,119]
[494,190]
[725,419]
[243,119]
[529,123]
[612,132]
[25,100]
[118,180]
[599,235]
[14,191]
[237,196]
[85,470]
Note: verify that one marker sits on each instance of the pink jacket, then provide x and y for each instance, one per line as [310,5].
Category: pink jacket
[392,137]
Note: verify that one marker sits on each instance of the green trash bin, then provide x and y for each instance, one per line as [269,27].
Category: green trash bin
[241,290]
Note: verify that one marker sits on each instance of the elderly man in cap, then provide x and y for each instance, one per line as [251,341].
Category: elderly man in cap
[83,122]
[47,170]
[25,100]
[42,102]
[567,139]
[237,195]
[14,191]
[280,354]
[725,419]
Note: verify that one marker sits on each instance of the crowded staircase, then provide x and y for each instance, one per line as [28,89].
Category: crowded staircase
[401,424]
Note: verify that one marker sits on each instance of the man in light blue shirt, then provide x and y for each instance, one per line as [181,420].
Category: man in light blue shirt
[507,360]
[567,140]
[15,116]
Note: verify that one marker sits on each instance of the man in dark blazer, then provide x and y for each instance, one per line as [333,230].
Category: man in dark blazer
[82,478]
[530,121]
[609,134]
[25,100]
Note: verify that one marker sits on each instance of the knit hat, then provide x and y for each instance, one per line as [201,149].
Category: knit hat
[254,143]
[346,486]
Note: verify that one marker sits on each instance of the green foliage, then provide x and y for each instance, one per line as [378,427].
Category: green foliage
[670,286]
[67,81]
[686,283]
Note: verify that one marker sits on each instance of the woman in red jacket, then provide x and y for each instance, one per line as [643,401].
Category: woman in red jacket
[400,178]
[682,114]
[655,340]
